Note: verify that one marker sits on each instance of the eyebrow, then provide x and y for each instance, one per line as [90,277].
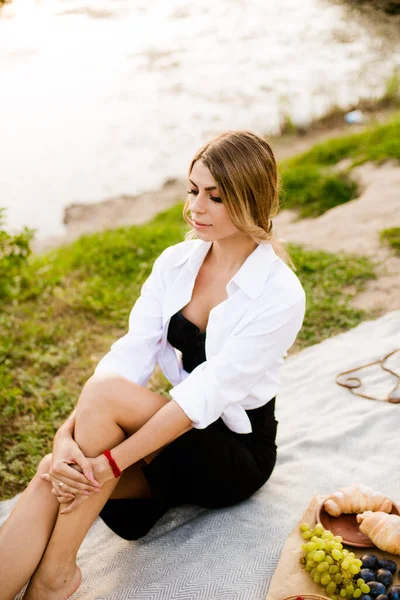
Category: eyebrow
[207,189]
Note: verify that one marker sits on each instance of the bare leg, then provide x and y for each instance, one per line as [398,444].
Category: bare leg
[107,411]
[26,533]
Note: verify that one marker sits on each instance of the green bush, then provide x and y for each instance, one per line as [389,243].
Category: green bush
[14,252]
[391,236]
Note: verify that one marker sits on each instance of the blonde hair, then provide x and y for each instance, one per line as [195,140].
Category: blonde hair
[245,171]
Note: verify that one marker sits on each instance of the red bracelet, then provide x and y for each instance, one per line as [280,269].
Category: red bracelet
[115,469]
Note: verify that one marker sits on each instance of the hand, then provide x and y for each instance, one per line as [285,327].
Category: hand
[103,473]
[71,468]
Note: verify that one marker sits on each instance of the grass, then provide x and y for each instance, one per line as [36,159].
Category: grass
[391,237]
[311,185]
[76,301]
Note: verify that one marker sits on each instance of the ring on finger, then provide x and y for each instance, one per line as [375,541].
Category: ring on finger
[61,484]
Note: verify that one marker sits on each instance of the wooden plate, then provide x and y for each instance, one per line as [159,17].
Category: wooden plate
[306,597]
[347,526]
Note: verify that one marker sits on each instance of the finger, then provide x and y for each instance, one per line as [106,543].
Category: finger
[45,477]
[85,466]
[73,505]
[57,492]
[73,484]
[70,491]
[65,500]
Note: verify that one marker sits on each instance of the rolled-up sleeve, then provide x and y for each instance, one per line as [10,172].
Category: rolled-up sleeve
[134,356]
[229,376]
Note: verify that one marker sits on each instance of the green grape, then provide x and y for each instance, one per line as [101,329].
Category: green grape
[312,563]
[360,582]
[336,554]
[319,555]
[308,568]
[354,569]
[333,597]
[330,545]
[345,552]
[343,593]
[304,527]
[358,562]
[334,569]
[338,546]
[317,577]
[352,555]
[306,535]
[310,546]
[331,587]
[323,566]
[350,588]
[365,588]
[345,564]
[328,535]
[357,593]
[320,544]
[314,539]
[325,579]
[318,529]
[329,559]
[338,538]
[338,578]
[313,571]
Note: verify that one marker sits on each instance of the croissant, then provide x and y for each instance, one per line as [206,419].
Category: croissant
[356,499]
[382,529]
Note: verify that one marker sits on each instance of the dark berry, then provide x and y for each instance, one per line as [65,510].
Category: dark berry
[367,575]
[376,588]
[365,597]
[370,561]
[384,576]
[393,592]
[390,565]
[381,597]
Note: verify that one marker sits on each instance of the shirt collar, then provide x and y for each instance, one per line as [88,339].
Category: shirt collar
[251,276]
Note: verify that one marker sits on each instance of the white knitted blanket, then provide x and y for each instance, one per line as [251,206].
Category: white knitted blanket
[327,438]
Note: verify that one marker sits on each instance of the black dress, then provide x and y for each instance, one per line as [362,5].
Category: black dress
[211,467]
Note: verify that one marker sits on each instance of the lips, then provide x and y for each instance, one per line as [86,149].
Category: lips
[201,224]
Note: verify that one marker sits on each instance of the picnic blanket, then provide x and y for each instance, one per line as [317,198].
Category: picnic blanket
[327,438]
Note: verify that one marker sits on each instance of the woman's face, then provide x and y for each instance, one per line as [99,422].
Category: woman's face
[210,218]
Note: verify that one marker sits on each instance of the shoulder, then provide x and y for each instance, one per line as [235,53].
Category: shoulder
[283,281]
[178,253]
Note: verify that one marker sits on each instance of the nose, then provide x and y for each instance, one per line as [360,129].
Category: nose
[198,204]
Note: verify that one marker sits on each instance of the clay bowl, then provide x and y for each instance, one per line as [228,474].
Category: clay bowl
[347,526]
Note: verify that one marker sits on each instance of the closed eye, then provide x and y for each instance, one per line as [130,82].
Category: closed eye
[213,198]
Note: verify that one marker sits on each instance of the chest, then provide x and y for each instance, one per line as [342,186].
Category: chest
[209,290]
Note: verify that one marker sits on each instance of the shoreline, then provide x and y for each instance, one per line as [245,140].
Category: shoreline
[126,209]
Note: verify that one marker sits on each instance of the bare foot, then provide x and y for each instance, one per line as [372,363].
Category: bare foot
[39,589]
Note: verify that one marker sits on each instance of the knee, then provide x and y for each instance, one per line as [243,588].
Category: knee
[45,465]
[100,389]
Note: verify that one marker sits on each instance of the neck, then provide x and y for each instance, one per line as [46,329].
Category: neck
[230,253]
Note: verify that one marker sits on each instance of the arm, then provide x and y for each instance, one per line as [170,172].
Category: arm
[134,356]
[167,424]
[69,464]
[225,379]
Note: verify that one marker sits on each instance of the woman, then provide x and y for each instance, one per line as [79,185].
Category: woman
[232,307]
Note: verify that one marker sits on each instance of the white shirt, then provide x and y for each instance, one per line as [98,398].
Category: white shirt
[248,334]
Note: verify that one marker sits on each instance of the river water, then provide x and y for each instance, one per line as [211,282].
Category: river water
[102,98]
